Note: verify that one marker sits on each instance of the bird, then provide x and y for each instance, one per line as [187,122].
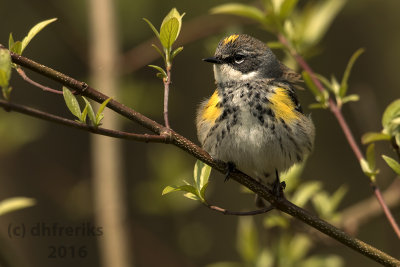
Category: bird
[253,121]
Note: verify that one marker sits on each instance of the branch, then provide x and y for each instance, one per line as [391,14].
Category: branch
[167,82]
[8,106]
[360,213]
[240,213]
[345,128]
[188,146]
[23,75]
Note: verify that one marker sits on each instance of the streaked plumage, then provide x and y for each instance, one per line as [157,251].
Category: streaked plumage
[253,119]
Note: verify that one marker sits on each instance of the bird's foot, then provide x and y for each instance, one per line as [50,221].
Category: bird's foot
[278,187]
[230,168]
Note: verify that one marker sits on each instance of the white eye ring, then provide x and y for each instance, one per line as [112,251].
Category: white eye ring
[238,59]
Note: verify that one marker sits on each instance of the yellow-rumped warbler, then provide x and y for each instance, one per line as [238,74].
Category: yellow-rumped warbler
[253,121]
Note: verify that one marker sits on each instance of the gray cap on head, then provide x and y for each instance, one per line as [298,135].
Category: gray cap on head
[258,56]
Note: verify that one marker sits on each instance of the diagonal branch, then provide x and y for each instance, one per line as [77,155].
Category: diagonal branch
[345,128]
[188,146]
[355,216]
[8,106]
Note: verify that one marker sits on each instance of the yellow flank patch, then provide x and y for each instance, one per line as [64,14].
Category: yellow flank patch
[230,39]
[211,111]
[283,106]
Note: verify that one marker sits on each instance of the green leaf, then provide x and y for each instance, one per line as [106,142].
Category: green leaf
[317,105]
[17,48]
[305,192]
[373,137]
[325,260]
[169,189]
[3,79]
[337,197]
[99,114]
[335,86]
[161,71]
[6,92]
[35,30]
[247,240]
[275,45]
[393,164]
[287,7]
[203,192]
[201,173]
[192,197]
[191,191]
[171,25]
[169,33]
[5,67]
[321,97]
[365,166]
[72,102]
[10,41]
[158,51]
[299,246]
[367,169]
[273,220]
[313,88]
[173,14]
[371,156]
[346,75]
[240,10]
[323,80]
[318,18]
[160,75]
[391,112]
[349,98]
[92,117]
[321,203]
[84,114]
[265,258]
[176,52]
[292,176]
[175,188]
[225,264]
[153,28]
[15,203]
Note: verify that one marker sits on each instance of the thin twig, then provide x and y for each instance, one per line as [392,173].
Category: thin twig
[195,29]
[8,106]
[199,153]
[240,213]
[386,209]
[167,82]
[345,128]
[22,73]
[358,214]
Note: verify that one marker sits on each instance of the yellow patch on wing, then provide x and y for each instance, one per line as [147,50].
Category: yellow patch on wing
[212,110]
[283,106]
[230,39]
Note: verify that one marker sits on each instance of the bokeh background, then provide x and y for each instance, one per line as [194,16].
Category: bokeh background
[54,164]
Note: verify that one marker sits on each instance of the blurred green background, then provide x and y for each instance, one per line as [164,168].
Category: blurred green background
[51,163]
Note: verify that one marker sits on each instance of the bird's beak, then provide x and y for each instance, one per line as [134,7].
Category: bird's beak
[212,60]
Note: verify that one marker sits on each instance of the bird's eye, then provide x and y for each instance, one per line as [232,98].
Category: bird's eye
[238,58]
